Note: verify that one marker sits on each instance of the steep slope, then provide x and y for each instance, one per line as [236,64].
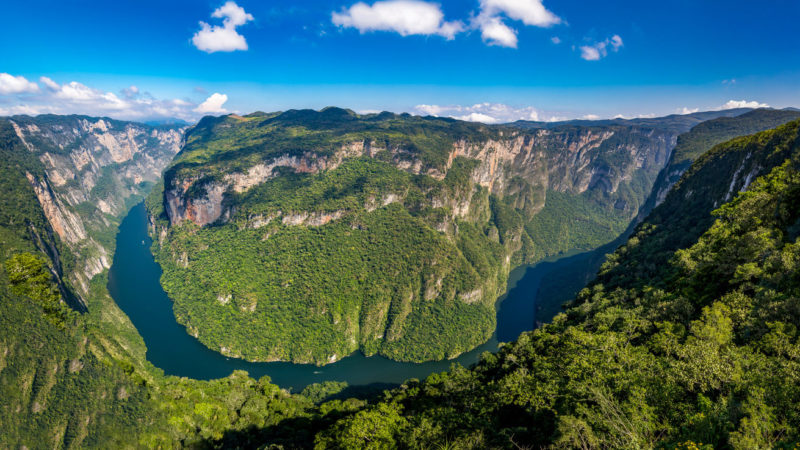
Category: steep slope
[94,169]
[705,136]
[736,164]
[701,353]
[59,387]
[691,145]
[80,380]
[307,235]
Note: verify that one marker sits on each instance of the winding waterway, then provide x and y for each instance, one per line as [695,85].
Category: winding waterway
[134,285]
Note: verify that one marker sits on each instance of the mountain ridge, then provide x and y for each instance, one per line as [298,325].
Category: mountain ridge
[236,173]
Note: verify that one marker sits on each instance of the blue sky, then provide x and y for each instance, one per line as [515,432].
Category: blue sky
[489,60]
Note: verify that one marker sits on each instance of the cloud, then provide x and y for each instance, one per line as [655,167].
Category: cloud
[590,53]
[77,98]
[130,92]
[599,50]
[495,32]
[491,113]
[213,38]
[405,17]
[10,84]
[77,93]
[52,85]
[684,111]
[484,112]
[733,104]
[213,104]
[635,116]
[555,40]
[418,17]
[431,110]
[529,12]
[478,117]
[22,110]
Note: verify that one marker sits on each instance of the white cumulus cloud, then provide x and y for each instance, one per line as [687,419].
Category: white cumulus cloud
[77,93]
[10,84]
[419,17]
[405,17]
[213,104]
[733,104]
[478,117]
[495,32]
[599,50]
[225,38]
[491,19]
[529,12]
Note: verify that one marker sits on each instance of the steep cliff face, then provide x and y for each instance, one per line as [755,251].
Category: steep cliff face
[702,137]
[522,165]
[678,337]
[385,233]
[685,212]
[93,169]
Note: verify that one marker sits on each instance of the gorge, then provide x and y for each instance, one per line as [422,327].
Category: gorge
[254,209]
[102,350]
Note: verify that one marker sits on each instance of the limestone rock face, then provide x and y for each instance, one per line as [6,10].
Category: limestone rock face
[93,167]
[522,164]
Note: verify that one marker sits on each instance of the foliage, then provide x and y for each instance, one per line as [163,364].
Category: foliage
[570,222]
[29,276]
[230,143]
[687,339]
[703,353]
[380,280]
[401,252]
[70,380]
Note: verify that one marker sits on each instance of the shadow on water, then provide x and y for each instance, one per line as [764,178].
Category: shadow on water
[134,285]
[566,276]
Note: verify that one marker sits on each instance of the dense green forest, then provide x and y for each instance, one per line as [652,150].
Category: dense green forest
[381,280]
[230,143]
[687,339]
[80,380]
[701,352]
[381,232]
[705,135]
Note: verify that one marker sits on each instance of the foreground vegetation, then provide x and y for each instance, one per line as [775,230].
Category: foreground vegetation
[702,351]
[80,380]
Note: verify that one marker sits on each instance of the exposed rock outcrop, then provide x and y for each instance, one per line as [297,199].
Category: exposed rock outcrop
[92,167]
[522,164]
